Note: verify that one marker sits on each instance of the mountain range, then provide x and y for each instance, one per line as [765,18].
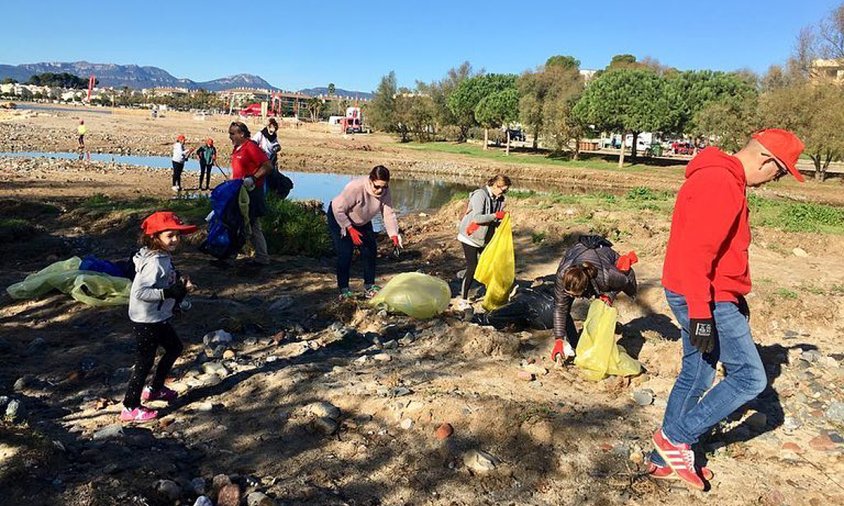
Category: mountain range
[137,77]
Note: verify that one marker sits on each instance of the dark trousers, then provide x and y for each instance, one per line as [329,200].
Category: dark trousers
[205,172]
[472,253]
[178,167]
[149,337]
[345,250]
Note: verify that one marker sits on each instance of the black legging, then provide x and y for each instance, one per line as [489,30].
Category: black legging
[345,250]
[205,171]
[177,173]
[472,253]
[149,337]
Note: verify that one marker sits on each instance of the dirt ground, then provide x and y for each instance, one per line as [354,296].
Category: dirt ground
[557,439]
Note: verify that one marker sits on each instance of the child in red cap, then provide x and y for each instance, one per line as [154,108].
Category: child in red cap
[156,290]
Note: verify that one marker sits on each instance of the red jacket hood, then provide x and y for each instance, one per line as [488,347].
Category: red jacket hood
[714,157]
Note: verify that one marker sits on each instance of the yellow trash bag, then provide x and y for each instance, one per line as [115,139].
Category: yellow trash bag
[92,288]
[597,353]
[497,266]
[414,294]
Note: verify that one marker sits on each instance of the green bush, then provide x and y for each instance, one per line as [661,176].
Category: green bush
[642,193]
[295,228]
[806,217]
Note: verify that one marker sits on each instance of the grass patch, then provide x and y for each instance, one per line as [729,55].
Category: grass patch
[476,151]
[785,293]
[795,216]
[190,210]
[537,237]
[293,228]
[13,229]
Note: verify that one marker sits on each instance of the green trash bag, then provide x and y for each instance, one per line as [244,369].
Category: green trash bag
[414,294]
[92,288]
[597,354]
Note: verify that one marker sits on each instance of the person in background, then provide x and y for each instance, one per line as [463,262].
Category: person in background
[207,155]
[483,214]
[81,130]
[156,290]
[180,155]
[267,140]
[591,268]
[251,164]
[350,217]
[706,276]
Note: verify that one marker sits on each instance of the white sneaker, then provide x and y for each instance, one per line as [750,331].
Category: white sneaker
[175,188]
[463,305]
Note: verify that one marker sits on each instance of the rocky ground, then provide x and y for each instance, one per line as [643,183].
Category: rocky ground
[306,401]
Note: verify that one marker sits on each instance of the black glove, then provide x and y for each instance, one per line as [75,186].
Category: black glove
[743,308]
[177,291]
[702,334]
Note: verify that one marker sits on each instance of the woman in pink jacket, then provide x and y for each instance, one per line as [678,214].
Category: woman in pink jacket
[350,224]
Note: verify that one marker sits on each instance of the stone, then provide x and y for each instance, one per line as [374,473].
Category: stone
[757,421]
[282,303]
[323,409]
[643,397]
[535,369]
[110,432]
[792,447]
[390,345]
[382,357]
[209,380]
[444,431]
[811,356]
[400,392]
[790,423]
[229,495]
[197,485]
[525,376]
[203,501]
[406,424]
[215,368]
[800,252]
[325,426]
[480,461]
[13,410]
[836,438]
[835,412]
[259,499]
[228,355]
[205,407]
[217,337]
[822,442]
[36,346]
[21,383]
[168,489]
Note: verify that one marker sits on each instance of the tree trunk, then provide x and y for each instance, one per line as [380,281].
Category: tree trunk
[633,147]
[576,152]
[816,161]
[507,150]
[536,137]
[621,152]
[486,139]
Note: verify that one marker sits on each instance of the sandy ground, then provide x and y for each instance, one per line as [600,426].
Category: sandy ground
[557,439]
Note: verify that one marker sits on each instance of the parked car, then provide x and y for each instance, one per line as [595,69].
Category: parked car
[682,148]
[516,134]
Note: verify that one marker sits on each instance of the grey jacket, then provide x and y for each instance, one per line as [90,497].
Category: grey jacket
[154,272]
[481,210]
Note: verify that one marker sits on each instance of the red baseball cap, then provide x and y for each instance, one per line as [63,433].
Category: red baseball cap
[165,220]
[180,137]
[784,145]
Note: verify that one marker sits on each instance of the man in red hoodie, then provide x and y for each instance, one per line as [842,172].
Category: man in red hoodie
[706,277]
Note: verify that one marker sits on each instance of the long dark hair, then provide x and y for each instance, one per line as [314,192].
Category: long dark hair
[379,173]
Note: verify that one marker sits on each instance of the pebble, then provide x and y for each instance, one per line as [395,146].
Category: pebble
[203,501]
[791,423]
[643,397]
[800,252]
[836,438]
[215,368]
[205,407]
[259,499]
[36,346]
[13,409]
[250,341]
[444,431]
[20,384]
[792,447]
[217,337]
[229,495]
[168,489]
[835,412]
[400,392]
[811,356]
[822,442]
[110,432]
[406,424]
[390,345]
[323,409]
[198,485]
[325,425]
[536,369]
[209,380]
[525,376]
[228,355]
[219,481]
[382,357]
[480,461]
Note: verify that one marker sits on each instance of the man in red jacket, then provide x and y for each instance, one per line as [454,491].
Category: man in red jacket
[251,164]
[706,277]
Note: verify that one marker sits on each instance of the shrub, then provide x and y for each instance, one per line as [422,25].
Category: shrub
[295,228]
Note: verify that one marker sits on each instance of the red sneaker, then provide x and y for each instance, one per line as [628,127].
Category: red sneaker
[680,458]
[165,394]
[665,472]
[139,414]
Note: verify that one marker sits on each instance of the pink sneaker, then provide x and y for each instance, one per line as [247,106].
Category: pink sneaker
[165,394]
[139,414]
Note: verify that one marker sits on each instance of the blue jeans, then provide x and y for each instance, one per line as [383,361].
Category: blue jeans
[692,410]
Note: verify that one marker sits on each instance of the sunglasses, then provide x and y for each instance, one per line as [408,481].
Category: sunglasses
[781,170]
[381,186]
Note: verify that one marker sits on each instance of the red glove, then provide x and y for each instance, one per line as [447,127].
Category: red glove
[625,262]
[357,237]
[395,240]
[471,228]
[500,215]
[606,300]
[560,346]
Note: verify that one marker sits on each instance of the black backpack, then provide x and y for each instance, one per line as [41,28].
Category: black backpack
[279,184]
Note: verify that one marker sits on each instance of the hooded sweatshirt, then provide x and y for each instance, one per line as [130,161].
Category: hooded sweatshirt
[481,210]
[357,204]
[706,259]
[154,272]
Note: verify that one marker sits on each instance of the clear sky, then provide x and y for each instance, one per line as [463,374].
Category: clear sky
[296,45]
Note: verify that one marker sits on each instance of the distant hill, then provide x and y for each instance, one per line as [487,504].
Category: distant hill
[337,91]
[133,76]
